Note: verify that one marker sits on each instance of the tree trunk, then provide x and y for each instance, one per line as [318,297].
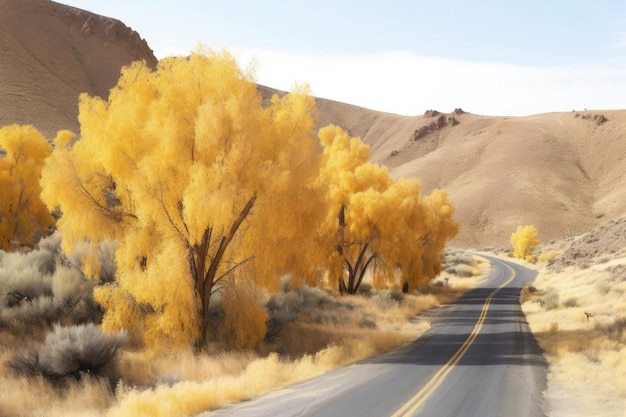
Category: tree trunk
[356,272]
[204,266]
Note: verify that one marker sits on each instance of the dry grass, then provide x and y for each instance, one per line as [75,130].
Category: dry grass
[187,384]
[221,385]
[318,332]
[313,332]
[587,356]
[38,397]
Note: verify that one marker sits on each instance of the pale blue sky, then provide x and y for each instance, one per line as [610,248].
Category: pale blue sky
[488,57]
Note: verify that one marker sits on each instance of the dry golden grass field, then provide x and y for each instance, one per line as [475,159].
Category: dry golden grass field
[312,332]
[577,311]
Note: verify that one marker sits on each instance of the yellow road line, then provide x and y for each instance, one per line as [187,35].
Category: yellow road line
[422,395]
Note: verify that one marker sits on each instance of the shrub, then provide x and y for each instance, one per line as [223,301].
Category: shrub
[314,297]
[615,330]
[23,285]
[366,322]
[244,324]
[386,298]
[460,263]
[44,286]
[550,299]
[461,270]
[549,255]
[554,328]
[104,269]
[72,352]
[301,299]
[25,364]
[603,286]
[455,257]
[570,302]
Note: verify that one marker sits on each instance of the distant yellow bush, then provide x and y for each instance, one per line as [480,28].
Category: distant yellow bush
[549,255]
[524,241]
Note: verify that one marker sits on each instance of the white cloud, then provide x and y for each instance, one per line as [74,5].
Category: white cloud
[409,84]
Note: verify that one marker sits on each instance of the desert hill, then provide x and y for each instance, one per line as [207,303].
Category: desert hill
[563,172]
[50,53]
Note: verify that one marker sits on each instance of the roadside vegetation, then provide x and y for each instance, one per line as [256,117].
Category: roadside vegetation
[577,312]
[78,370]
[205,247]
[524,241]
[219,195]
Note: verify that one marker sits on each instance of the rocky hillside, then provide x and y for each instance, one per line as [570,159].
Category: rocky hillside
[563,172]
[50,53]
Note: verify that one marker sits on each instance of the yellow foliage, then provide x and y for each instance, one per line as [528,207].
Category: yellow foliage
[374,219]
[244,322]
[441,227]
[524,241]
[549,255]
[193,177]
[22,213]
[123,311]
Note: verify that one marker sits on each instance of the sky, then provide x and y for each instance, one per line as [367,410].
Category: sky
[505,58]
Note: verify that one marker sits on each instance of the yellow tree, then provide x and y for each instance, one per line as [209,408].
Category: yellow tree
[22,213]
[197,181]
[348,174]
[441,228]
[524,241]
[376,220]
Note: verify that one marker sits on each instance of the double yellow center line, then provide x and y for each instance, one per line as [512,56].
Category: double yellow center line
[420,398]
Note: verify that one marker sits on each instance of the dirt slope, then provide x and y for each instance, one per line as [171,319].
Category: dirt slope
[562,172]
[50,53]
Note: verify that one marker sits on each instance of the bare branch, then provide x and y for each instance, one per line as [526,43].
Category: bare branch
[105,210]
[171,221]
[362,273]
[225,241]
[231,269]
[181,208]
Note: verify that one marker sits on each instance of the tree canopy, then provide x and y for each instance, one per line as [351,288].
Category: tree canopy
[375,220]
[22,213]
[206,187]
[196,180]
[524,241]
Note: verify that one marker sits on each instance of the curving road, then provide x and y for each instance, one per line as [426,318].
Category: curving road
[478,359]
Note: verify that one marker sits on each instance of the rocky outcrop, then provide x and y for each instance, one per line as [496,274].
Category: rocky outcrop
[431,113]
[114,31]
[441,122]
[598,119]
[585,249]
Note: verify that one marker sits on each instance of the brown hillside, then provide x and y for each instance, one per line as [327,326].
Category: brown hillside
[562,172]
[50,53]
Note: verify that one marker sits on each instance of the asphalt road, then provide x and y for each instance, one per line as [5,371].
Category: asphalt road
[479,359]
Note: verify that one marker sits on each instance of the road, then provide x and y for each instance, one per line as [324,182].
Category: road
[479,358]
